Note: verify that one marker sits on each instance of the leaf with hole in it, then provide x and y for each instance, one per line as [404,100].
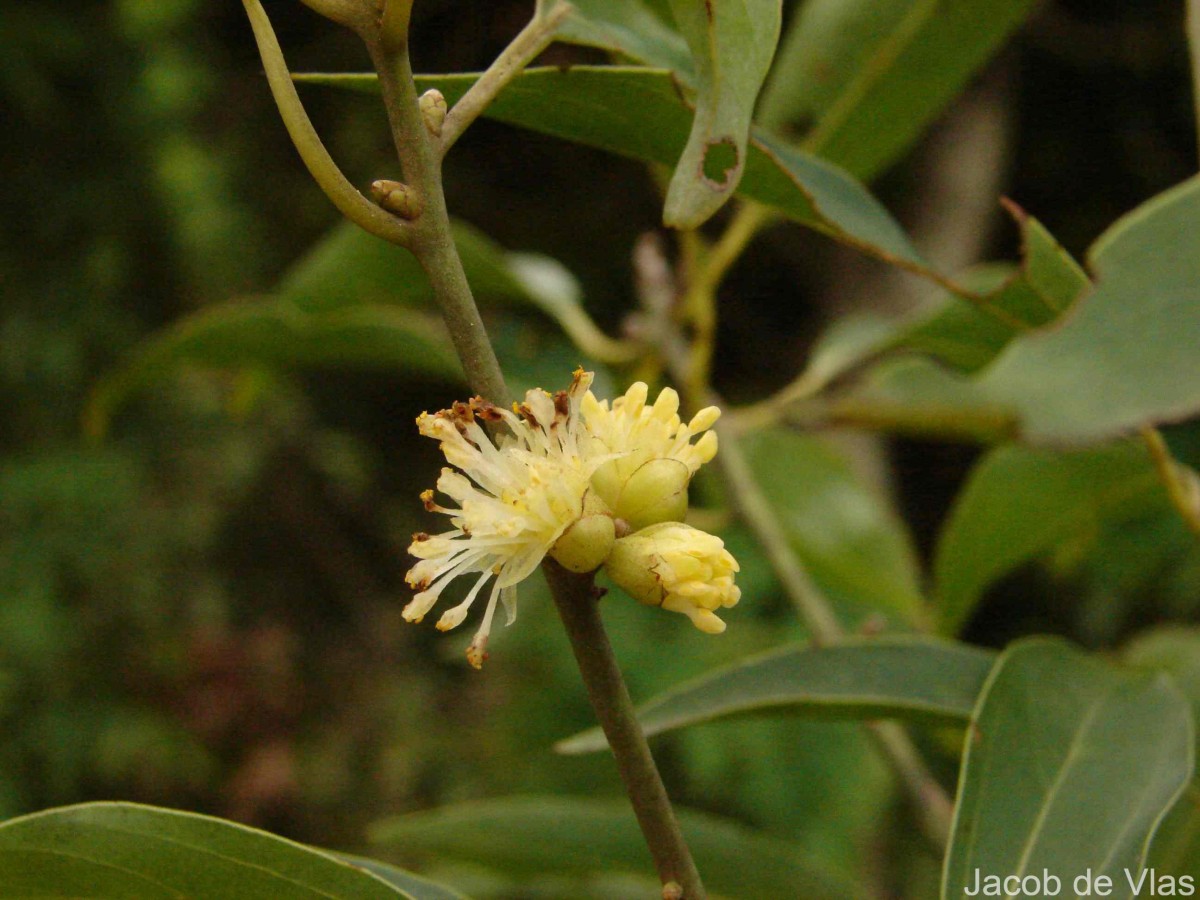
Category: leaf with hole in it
[639,113]
[276,334]
[1020,502]
[1126,355]
[732,45]
[529,836]
[859,80]
[1070,765]
[128,850]
[855,546]
[863,678]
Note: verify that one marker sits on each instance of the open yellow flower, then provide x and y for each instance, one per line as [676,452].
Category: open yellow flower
[552,486]
[652,454]
[515,499]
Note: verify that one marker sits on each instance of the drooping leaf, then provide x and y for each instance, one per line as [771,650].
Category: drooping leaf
[855,546]
[276,334]
[1020,502]
[1071,779]
[1126,356]
[894,676]
[127,850]
[732,45]
[639,113]
[859,80]
[538,835]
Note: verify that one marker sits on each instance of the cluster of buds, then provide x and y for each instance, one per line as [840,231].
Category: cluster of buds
[587,485]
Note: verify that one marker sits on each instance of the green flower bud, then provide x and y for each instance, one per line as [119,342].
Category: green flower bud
[656,492]
[679,568]
[397,198]
[587,541]
[433,111]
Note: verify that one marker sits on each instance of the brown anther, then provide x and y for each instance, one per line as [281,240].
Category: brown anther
[420,537]
[488,412]
[527,414]
[427,499]
[562,403]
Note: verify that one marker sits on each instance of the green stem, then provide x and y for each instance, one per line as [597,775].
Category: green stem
[353,205]
[533,39]
[578,606]
[434,246]
[354,14]
[933,807]
[1182,493]
[432,241]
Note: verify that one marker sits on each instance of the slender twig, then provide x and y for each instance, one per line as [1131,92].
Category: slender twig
[576,599]
[433,242]
[700,297]
[434,247]
[1185,496]
[353,205]
[929,799]
[533,39]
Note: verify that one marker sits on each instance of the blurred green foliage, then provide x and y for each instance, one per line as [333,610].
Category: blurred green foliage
[203,609]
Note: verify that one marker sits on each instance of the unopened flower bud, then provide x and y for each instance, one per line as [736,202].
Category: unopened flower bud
[657,491]
[433,111]
[586,543]
[397,198]
[679,568]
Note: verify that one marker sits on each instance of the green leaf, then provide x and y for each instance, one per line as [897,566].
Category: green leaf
[276,334]
[630,28]
[853,544]
[536,835]
[127,850]
[1126,356]
[410,884]
[639,113]
[867,678]
[732,45]
[1070,765]
[863,78]
[966,333]
[1020,502]
[1175,649]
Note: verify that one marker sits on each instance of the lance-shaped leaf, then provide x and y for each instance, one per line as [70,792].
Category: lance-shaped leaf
[127,850]
[859,80]
[732,45]
[867,678]
[529,836]
[640,113]
[1070,765]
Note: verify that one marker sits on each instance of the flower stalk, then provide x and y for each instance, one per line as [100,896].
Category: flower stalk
[577,600]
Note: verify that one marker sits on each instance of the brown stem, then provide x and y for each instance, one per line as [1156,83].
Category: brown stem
[576,599]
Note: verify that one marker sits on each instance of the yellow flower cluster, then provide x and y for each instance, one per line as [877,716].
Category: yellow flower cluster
[583,483]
